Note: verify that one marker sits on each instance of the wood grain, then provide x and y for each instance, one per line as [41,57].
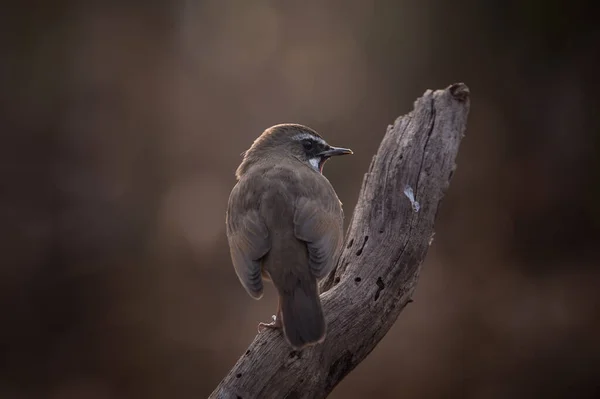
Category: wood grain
[376,275]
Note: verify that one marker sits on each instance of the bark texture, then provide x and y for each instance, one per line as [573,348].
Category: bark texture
[376,275]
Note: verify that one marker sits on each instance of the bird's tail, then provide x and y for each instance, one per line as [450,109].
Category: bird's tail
[302,314]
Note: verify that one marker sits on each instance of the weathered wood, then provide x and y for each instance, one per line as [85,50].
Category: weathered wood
[377,273]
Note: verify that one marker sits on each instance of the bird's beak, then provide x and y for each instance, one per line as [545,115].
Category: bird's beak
[333,151]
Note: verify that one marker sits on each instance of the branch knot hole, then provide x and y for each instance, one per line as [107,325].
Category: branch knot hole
[360,250]
[293,356]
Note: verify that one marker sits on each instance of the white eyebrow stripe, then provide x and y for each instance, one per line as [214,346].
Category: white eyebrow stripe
[305,136]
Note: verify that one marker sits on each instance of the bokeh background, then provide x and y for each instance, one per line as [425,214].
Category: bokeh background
[122,127]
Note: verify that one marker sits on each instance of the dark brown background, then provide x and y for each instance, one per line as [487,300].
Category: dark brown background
[121,130]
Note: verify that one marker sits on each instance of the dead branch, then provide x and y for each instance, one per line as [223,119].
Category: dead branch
[377,273]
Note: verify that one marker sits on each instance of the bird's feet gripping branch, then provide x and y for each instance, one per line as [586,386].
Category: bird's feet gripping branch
[275,324]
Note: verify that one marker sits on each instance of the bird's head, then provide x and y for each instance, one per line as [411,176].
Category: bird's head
[291,140]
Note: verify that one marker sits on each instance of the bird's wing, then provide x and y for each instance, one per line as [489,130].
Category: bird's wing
[322,230]
[248,242]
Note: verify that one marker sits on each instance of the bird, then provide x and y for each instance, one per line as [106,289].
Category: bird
[284,224]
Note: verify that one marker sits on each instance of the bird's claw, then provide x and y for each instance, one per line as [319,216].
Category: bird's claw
[276,323]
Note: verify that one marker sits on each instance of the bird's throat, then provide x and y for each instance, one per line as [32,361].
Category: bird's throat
[317,163]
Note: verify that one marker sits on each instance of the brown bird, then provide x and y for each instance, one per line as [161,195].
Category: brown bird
[285,224]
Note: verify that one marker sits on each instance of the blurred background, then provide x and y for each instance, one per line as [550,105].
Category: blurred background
[122,127]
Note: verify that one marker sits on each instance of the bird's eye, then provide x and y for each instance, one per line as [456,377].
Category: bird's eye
[308,144]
